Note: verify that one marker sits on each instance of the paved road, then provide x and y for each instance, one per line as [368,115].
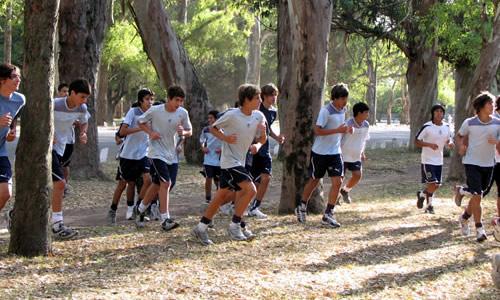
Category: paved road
[382,136]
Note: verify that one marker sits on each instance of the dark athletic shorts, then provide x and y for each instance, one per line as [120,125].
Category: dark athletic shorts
[496,179]
[431,173]
[230,178]
[57,168]
[131,169]
[5,170]
[478,178]
[353,166]
[66,158]
[320,164]
[162,172]
[211,171]
[261,165]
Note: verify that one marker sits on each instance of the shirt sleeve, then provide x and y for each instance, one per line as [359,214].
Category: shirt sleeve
[146,117]
[129,117]
[223,121]
[422,134]
[464,129]
[322,118]
[203,138]
[84,117]
[186,123]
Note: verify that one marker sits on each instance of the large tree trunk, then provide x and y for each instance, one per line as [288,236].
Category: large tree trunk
[7,35]
[404,118]
[102,94]
[30,233]
[301,76]
[463,82]
[371,91]
[82,28]
[253,56]
[172,65]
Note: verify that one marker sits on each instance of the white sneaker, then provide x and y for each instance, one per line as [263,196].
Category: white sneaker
[235,233]
[227,209]
[130,213]
[480,235]
[247,233]
[257,214]
[202,236]
[464,226]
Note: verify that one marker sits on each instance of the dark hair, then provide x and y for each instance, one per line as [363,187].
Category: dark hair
[143,93]
[359,107]
[236,104]
[61,86]
[480,101]
[269,89]
[80,86]
[175,91]
[247,91]
[497,103]
[436,107]
[339,91]
[214,113]
[6,70]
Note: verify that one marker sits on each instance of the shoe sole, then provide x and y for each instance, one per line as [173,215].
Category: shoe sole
[175,225]
[330,225]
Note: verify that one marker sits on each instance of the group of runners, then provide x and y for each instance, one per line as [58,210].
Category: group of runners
[237,157]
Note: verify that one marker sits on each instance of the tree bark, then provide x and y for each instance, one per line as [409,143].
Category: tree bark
[172,65]
[404,118]
[82,28]
[183,11]
[371,91]
[301,77]
[102,93]
[7,41]
[30,233]
[253,55]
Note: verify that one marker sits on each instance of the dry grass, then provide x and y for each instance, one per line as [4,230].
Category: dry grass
[386,249]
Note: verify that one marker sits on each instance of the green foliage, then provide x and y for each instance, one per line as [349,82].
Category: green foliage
[461,27]
[17,29]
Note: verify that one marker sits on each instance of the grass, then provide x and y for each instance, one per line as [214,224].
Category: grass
[386,249]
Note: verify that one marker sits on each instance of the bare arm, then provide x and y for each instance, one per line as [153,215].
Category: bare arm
[125,130]
[341,129]
[147,129]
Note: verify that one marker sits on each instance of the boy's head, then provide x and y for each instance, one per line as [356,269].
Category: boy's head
[212,116]
[269,93]
[63,90]
[10,76]
[145,98]
[484,101]
[339,94]
[437,112]
[249,93]
[361,110]
[79,91]
[175,96]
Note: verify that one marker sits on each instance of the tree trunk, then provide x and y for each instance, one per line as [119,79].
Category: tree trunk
[404,118]
[172,65]
[183,11]
[253,56]
[82,28]
[337,57]
[301,77]
[463,82]
[30,233]
[371,91]
[102,93]
[7,35]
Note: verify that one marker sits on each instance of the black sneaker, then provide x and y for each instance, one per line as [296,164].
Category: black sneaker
[345,196]
[169,224]
[430,209]
[330,221]
[112,217]
[420,199]
[62,232]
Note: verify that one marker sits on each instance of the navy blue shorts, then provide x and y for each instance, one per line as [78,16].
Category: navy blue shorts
[261,165]
[211,171]
[353,166]
[66,158]
[431,173]
[57,168]
[5,170]
[131,169]
[320,164]
[478,178]
[496,179]
[230,178]
[162,172]
[118,173]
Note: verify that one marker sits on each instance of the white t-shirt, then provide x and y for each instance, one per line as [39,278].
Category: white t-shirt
[212,158]
[434,134]
[480,152]
[329,118]
[244,126]
[354,144]
[135,146]
[165,123]
[64,117]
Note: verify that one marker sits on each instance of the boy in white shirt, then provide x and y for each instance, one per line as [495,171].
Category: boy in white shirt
[353,147]
[432,138]
[211,147]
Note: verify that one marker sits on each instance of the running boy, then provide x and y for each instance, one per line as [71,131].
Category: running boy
[237,128]
[62,91]
[326,154]
[162,123]
[133,155]
[11,103]
[432,138]
[483,132]
[353,147]
[211,147]
[261,168]
[67,111]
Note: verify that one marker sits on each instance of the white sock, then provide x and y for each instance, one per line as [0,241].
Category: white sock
[130,208]
[142,207]
[165,216]
[347,189]
[57,217]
